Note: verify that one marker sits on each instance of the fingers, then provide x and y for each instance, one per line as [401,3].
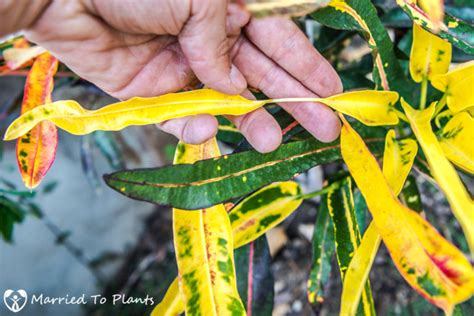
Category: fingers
[283,42]
[259,128]
[203,40]
[192,129]
[263,73]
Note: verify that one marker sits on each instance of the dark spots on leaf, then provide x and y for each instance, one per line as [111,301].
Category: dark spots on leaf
[411,271]
[225,267]
[233,217]
[192,283]
[235,307]
[24,165]
[185,240]
[261,199]
[426,283]
[23,153]
[267,221]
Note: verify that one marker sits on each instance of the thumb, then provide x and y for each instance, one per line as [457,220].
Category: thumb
[204,42]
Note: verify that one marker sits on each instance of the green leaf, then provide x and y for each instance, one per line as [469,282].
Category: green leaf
[455,30]
[213,181]
[347,236]
[361,15]
[411,195]
[254,277]
[10,213]
[323,250]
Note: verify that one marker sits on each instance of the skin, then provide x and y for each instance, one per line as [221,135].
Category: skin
[151,47]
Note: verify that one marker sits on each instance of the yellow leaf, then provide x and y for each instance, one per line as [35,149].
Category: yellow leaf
[457,84]
[358,271]
[263,8]
[172,304]
[254,216]
[204,250]
[442,170]
[457,141]
[434,9]
[398,160]
[370,107]
[430,55]
[70,116]
[429,263]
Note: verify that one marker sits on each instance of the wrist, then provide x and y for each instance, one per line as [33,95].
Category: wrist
[17,15]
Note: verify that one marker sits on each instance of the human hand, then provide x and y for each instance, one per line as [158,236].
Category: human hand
[152,47]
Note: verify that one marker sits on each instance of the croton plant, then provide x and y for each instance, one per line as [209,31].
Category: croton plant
[416,114]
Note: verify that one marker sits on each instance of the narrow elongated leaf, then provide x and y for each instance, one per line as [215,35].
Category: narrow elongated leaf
[361,15]
[214,181]
[434,9]
[17,57]
[457,84]
[347,237]
[263,8]
[323,250]
[429,263]
[376,109]
[255,277]
[172,304]
[205,251]
[442,170]
[263,210]
[250,218]
[358,271]
[456,31]
[398,159]
[397,163]
[430,55]
[457,141]
[36,150]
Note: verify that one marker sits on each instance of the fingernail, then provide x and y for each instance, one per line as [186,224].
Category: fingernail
[237,79]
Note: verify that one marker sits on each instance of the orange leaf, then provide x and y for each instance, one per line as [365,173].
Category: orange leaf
[36,150]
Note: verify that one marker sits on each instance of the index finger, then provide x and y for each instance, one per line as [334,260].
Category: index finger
[282,41]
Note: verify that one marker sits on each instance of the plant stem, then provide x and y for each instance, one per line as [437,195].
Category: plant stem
[424,92]
[325,190]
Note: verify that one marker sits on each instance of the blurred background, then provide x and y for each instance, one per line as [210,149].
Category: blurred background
[73,235]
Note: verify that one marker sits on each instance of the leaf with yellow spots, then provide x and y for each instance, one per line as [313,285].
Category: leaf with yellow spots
[36,149]
[457,141]
[323,250]
[429,263]
[204,250]
[452,29]
[263,210]
[398,159]
[370,107]
[430,55]
[250,218]
[347,237]
[442,170]
[457,84]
